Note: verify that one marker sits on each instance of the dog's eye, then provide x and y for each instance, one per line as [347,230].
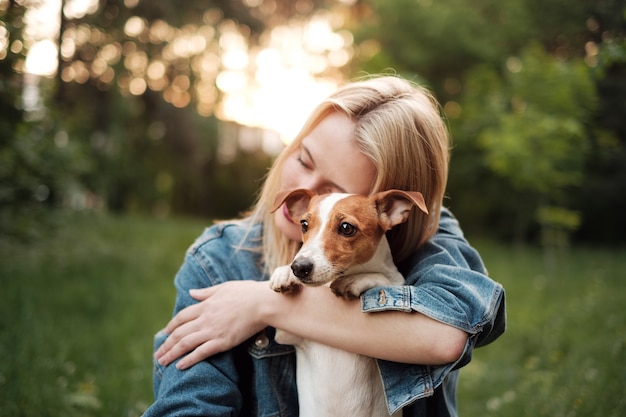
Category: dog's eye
[346,229]
[305,226]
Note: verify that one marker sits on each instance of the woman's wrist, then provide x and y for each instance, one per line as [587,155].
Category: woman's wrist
[269,304]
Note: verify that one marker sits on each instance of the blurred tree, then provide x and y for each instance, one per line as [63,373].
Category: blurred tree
[135,96]
[141,66]
[36,160]
[516,130]
[131,116]
[542,114]
[602,199]
[438,41]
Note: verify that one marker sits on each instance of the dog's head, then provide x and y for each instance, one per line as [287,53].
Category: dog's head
[342,231]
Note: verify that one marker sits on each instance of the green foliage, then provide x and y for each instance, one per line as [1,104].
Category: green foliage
[560,217]
[37,162]
[39,165]
[95,145]
[602,200]
[545,135]
[564,350]
[536,151]
[440,40]
[78,312]
[538,139]
[532,90]
[610,55]
[557,224]
[37,168]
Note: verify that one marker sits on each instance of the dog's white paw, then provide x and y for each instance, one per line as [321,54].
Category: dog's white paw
[283,280]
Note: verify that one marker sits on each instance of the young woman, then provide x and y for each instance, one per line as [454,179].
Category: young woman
[217,356]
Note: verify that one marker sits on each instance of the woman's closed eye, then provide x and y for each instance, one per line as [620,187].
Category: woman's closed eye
[304,164]
[305,159]
[316,180]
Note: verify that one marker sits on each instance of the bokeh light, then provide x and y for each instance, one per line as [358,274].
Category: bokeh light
[271,84]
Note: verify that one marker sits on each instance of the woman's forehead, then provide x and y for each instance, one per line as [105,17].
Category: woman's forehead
[332,147]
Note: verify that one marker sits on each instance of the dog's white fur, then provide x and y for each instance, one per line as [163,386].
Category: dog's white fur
[332,382]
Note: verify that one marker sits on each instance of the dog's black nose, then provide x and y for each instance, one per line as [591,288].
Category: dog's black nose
[302,268]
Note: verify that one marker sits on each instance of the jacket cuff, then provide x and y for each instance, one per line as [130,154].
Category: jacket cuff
[387,298]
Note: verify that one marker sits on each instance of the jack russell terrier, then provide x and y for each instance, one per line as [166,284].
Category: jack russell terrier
[344,247]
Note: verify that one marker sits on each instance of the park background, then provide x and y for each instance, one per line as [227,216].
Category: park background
[127,126]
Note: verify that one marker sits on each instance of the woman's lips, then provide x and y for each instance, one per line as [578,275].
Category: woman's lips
[287,215]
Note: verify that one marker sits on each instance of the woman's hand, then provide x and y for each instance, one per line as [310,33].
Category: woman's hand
[225,316]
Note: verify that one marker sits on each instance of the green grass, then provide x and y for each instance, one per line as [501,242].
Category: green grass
[564,352]
[78,311]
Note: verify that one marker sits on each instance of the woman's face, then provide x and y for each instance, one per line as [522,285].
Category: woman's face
[326,161]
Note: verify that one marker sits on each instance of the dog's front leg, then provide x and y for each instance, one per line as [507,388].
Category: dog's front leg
[283,280]
[352,286]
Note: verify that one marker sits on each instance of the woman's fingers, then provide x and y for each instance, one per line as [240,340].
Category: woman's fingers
[199,354]
[189,313]
[184,316]
[195,346]
[182,340]
[201,293]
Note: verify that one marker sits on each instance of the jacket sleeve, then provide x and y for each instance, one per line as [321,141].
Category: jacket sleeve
[448,282]
[208,388]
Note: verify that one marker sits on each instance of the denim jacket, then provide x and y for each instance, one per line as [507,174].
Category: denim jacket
[445,280]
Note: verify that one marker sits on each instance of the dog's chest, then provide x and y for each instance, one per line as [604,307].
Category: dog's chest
[333,382]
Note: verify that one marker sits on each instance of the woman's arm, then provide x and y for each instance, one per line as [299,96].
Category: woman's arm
[231,312]
[448,283]
[317,314]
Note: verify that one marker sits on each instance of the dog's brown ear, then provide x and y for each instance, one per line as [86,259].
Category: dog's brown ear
[297,201]
[394,206]
[279,200]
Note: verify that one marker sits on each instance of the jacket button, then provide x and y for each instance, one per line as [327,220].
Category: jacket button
[261,341]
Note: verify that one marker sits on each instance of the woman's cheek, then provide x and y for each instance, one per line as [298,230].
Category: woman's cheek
[289,229]
[290,178]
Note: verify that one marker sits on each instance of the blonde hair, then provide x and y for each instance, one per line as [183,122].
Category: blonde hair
[400,129]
